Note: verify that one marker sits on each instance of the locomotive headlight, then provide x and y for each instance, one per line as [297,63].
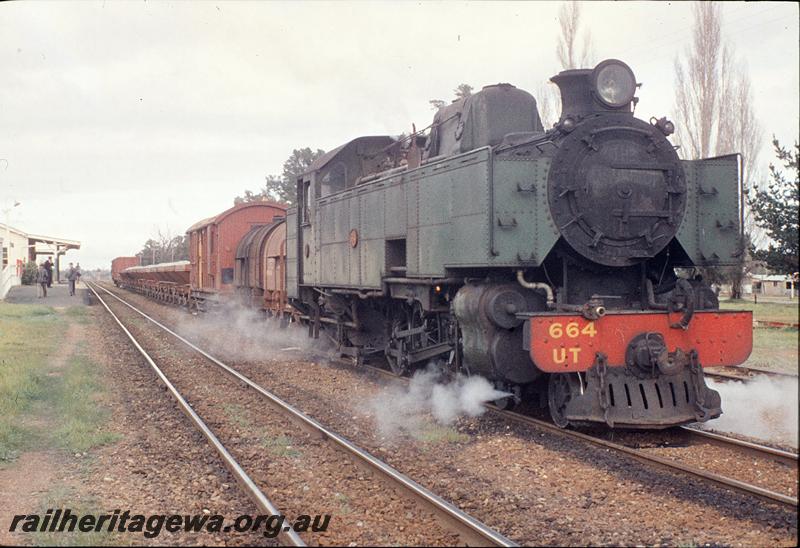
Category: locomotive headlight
[614,83]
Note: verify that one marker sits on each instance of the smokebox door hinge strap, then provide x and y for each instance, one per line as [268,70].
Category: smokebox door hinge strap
[601,363]
[682,297]
[702,412]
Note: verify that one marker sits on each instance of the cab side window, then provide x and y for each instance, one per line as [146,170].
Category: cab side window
[306,205]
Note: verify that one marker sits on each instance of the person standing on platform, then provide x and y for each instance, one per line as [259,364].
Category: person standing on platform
[41,281]
[72,275]
[49,267]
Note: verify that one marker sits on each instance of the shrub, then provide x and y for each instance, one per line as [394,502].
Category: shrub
[29,273]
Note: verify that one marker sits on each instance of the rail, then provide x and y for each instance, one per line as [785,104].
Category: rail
[248,485]
[785,457]
[664,463]
[742,373]
[470,530]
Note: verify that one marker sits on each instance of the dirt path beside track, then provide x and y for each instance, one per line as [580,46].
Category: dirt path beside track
[141,455]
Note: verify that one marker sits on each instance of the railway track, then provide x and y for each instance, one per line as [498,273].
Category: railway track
[755,450]
[677,466]
[259,498]
[469,530]
[759,451]
[744,374]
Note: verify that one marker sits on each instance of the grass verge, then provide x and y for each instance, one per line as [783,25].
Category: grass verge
[28,333]
[78,313]
[65,497]
[76,398]
[50,392]
[774,349]
[765,311]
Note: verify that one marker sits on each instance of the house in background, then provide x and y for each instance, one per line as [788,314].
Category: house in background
[761,282]
[775,285]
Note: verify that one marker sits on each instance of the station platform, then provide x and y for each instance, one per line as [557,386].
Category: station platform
[57,296]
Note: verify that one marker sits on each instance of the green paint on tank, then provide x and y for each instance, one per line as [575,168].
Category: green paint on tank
[711,229]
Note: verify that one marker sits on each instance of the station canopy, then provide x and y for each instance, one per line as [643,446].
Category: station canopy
[47,245]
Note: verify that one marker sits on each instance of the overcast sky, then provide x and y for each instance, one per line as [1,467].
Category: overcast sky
[117,119]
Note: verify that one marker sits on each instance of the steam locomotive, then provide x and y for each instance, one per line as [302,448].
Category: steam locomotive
[560,264]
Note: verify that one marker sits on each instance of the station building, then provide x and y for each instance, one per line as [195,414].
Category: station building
[20,247]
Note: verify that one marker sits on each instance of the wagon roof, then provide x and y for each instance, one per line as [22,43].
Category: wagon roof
[200,224]
[174,266]
[255,234]
[238,207]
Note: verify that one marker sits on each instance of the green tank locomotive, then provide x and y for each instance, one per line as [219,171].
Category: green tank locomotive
[557,263]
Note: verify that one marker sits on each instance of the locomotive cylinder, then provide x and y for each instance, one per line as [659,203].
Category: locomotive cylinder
[491,332]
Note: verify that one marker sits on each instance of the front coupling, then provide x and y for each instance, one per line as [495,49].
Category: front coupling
[647,352]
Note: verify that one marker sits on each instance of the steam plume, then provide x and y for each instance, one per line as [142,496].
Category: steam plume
[764,408]
[407,408]
[243,334]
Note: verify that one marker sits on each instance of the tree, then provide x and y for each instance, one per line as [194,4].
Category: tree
[462,91]
[775,209]
[164,248]
[548,99]
[179,248]
[275,188]
[299,162]
[150,253]
[699,82]
[713,98]
[569,22]
[715,116]
[282,188]
[250,196]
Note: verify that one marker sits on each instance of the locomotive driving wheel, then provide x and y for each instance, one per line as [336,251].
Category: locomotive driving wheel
[561,388]
[406,330]
[396,356]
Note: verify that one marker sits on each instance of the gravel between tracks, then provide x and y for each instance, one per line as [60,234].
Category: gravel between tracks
[301,474]
[162,465]
[730,462]
[535,487]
